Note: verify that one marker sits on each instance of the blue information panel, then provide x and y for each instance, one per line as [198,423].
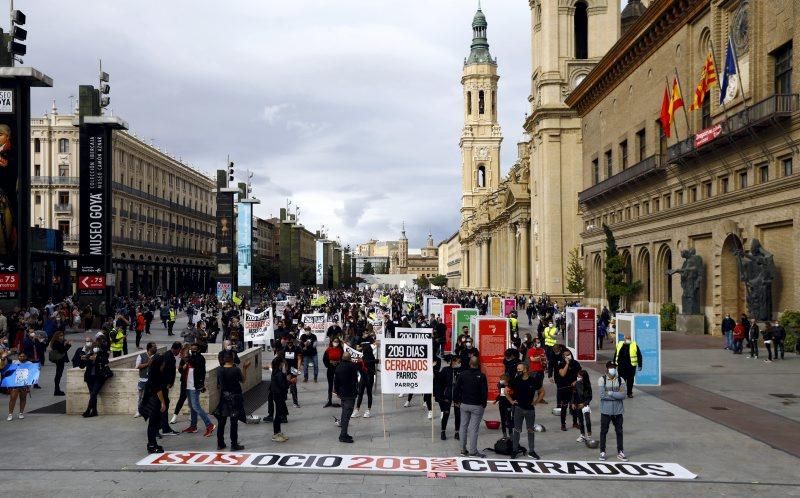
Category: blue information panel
[647,334]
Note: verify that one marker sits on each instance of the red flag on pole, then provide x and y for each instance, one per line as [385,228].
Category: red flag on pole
[666,114]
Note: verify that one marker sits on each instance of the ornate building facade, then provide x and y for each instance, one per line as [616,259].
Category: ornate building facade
[727,176]
[426,263]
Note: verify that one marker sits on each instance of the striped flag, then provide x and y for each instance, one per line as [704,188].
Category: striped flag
[677,99]
[708,78]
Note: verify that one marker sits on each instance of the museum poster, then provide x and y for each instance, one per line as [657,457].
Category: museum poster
[95,209]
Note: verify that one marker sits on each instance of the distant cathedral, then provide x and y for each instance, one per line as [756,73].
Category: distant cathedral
[424,264]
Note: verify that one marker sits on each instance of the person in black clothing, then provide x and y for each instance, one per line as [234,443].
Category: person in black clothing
[506,410]
[778,337]
[345,385]
[566,373]
[470,393]
[294,360]
[170,360]
[95,375]
[625,363]
[331,358]
[231,401]
[58,353]
[467,352]
[581,398]
[443,391]
[279,388]
[228,346]
[308,344]
[367,365]
[524,388]
[510,362]
[153,406]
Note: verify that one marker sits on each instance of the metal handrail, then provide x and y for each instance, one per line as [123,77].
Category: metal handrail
[635,172]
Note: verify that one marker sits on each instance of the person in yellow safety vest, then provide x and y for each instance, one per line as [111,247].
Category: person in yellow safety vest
[628,358]
[171,321]
[550,339]
[117,341]
[514,322]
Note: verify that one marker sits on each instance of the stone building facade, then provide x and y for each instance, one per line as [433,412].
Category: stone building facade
[450,260]
[425,264]
[162,215]
[662,195]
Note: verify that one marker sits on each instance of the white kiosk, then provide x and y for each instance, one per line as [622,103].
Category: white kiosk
[645,330]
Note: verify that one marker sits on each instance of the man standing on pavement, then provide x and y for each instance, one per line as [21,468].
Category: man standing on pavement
[524,388]
[308,343]
[170,361]
[728,324]
[629,359]
[470,394]
[612,396]
[345,385]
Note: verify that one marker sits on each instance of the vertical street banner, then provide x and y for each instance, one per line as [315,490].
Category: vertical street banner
[225,230]
[447,317]
[461,319]
[95,209]
[257,326]
[407,366]
[244,244]
[14,187]
[495,306]
[647,334]
[509,305]
[586,335]
[491,343]
[320,263]
[315,321]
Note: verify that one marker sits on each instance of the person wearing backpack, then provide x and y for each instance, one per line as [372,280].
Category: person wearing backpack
[612,396]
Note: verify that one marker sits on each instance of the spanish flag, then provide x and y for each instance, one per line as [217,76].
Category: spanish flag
[677,99]
[708,78]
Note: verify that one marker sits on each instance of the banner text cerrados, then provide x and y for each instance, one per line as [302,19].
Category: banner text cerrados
[407,366]
[460,466]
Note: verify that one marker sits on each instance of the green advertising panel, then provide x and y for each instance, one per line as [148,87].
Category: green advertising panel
[461,318]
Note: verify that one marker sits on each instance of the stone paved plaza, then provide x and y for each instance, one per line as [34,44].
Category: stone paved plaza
[716,416]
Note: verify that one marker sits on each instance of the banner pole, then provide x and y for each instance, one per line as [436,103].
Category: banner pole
[433,439]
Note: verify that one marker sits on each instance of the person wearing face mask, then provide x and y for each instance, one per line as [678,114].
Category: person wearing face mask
[294,361]
[368,370]
[522,397]
[170,361]
[510,362]
[58,355]
[550,339]
[628,358]
[95,375]
[514,324]
[470,394]
[309,351]
[538,363]
[81,352]
[443,391]
[227,345]
[566,373]
[467,352]
[612,396]
[581,398]
[331,358]
[505,408]
[153,406]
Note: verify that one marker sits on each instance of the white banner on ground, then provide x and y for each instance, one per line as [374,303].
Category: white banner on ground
[407,366]
[409,333]
[317,323]
[258,326]
[460,466]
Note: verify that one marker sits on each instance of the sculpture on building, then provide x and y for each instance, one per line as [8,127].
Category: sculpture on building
[692,276]
[757,271]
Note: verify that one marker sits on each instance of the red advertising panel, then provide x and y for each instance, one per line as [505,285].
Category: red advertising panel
[447,316]
[9,282]
[491,344]
[91,284]
[587,335]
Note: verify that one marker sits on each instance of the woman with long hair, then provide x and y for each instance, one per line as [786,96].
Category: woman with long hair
[231,401]
[96,374]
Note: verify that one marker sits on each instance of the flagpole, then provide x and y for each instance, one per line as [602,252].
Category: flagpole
[685,112]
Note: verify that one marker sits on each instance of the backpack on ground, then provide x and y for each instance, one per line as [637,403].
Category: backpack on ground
[505,446]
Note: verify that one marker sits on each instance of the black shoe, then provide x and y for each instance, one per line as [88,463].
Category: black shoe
[563,427]
[237,447]
[268,418]
[533,455]
[154,449]
[221,447]
[37,386]
[328,405]
[59,393]
[345,440]
[92,413]
[336,405]
[85,414]
[171,432]
[477,455]
[464,452]
[456,436]
[443,437]
[630,395]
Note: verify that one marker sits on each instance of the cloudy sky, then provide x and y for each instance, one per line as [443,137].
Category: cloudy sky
[350,108]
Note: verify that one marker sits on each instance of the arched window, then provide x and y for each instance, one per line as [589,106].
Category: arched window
[63,145]
[581,29]
[481,176]
[481,102]
[469,103]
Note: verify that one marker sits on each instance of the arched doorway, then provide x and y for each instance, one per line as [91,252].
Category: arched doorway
[643,275]
[597,281]
[626,303]
[732,295]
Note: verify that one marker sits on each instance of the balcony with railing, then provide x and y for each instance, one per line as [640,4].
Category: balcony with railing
[763,114]
[638,172]
[62,208]
[55,180]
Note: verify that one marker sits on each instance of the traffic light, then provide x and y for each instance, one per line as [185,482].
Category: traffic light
[17,33]
[105,88]
[230,173]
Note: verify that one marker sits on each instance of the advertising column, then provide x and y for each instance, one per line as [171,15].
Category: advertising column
[225,232]
[15,175]
[244,244]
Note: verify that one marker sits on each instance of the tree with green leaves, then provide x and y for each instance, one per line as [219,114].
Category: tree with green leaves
[422,282]
[615,272]
[368,269]
[438,280]
[576,274]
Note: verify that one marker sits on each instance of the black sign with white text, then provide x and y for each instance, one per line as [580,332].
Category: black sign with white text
[95,206]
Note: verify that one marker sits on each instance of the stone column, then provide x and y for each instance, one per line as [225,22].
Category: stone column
[525,256]
[464,269]
[512,259]
[485,263]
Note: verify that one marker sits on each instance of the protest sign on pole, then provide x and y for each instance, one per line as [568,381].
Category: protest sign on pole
[257,326]
[280,307]
[491,343]
[316,321]
[407,366]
